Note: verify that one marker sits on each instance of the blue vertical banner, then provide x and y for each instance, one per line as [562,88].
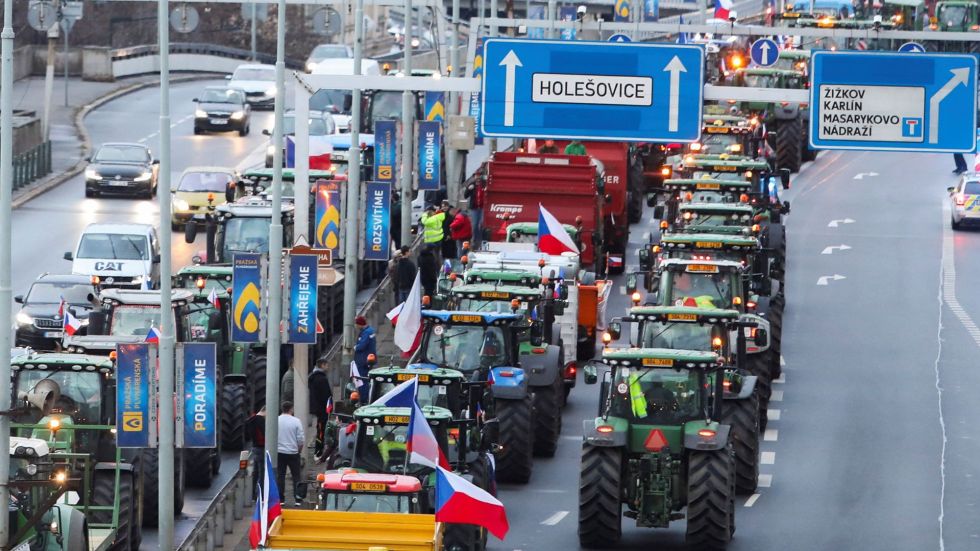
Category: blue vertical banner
[567,13]
[135,391]
[326,214]
[385,150]
[536,13]
[622,10]
[302,298]
[377,224]
[651,10]
[475,99]
[246,297]
[197,385]
[435,106]
[429,166]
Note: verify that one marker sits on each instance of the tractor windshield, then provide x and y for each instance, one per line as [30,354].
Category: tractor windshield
[245,235]
[382,448]
[655,396]
[693,217]
[466,348]
[368,503]
[522,237]
[759,81]
[197,327]
[134,320]
[720,143]
[704,290]
[724,176]
[682,336]
[80,392]
[953,16]
[428,395]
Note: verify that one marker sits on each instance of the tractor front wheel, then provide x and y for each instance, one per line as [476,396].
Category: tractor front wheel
[150,466]
[515,460]
[743,417]
[599,506]
[710,499]
[104,494]
[234,414]
[547,418]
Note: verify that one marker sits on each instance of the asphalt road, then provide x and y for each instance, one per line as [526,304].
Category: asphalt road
[863,450]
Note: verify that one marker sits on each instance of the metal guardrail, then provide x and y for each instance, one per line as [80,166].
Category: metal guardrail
[230,505]
[32,164]
[202,49]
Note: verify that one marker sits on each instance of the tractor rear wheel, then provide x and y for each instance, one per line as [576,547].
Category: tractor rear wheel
[710,499]
[256,376]
[760,365]
[776,307]
[743,417]
[104,494]
[195,460]
[547,418]
[234,413]
[517,440]
[599,505]
[789,138]
[150,467]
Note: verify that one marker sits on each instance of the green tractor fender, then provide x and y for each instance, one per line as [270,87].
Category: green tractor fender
[606,432]
[111,466]
[705,435]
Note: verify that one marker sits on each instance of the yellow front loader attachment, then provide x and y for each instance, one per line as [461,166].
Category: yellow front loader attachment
[302,530]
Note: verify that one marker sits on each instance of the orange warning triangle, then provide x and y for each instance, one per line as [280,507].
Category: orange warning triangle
[655,441]
[319,328]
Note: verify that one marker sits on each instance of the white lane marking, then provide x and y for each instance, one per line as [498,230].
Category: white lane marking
[646,236]
[781,380]
[141,140]
[752,499]
[576,438]
[832,248]
[782,360]
[824,279]
[774,414]
[771,435]
[834,223]
[776,396]
[861,175]
[622,290]
[765,481]
[768,458]
[555,518]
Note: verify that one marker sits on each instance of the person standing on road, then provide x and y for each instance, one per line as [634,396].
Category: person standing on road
[460,229]
[960,163]
[319,398]
[366,344]
[255,433]
[290,444]
[475,194]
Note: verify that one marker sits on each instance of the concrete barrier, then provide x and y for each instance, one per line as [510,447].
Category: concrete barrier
[97,64]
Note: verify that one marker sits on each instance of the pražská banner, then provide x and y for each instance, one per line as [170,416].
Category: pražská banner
[135,387]
[429,162]
[385,150]
[197,385]
[377,224]
[302,298]
[246,298]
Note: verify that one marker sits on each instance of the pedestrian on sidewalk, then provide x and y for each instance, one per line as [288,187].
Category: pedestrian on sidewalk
[255,434]
[428,271]
[286,385]
[432,232]
[290,445]
[405,276]
[448,244]
[320,400]
[366,344]
[460,229]
[475,194]
[548,147]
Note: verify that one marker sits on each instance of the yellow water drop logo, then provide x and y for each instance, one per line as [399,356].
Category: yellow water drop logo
[327,227]
[247,309]
[623,8]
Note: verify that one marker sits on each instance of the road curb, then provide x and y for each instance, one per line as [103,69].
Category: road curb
[54,180]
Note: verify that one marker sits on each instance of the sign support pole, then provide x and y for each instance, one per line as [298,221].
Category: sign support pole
[301,226]
[408,139]
[452,170]
[166,417]
[6,189]
[494,31]
[255,55]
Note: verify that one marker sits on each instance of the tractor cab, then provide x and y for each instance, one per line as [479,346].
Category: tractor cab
[709,284]
[381,442]
[731,134]
[698,246]
[438,387]
[202,278]
[474,343]
[239,227]
[258,181]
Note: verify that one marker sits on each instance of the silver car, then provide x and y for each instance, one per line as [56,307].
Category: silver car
[964,201]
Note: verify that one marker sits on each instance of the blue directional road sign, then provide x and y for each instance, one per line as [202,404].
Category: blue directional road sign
[912,48]
[893,102]
[592,90]
[620,38]
[764,52]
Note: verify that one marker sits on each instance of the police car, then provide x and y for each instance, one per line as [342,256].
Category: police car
[964,201]
[120,255]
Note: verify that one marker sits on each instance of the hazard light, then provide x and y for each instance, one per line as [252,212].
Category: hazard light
[604,429]
[706,433]
[695,146]
[665,171]
[655,441]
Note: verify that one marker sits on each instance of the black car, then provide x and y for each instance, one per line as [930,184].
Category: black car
[38,322]
[122,168]
[222,109]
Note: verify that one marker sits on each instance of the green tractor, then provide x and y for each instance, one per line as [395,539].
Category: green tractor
[258,181]
[67,402]
[239,227]
[659,447]
[955,15]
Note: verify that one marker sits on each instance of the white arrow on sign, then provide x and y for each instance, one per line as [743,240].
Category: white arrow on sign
[834,223]
[830,249]
[511,62]
[675,68]
[824,279]
[861,175]
[765,53]
[960,76]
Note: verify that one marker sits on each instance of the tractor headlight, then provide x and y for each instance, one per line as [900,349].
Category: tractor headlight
[181,206]
[31,469]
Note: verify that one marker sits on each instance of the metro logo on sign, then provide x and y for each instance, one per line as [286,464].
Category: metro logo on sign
[893,102]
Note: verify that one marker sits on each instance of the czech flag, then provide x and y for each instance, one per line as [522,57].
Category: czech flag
[329,407]
[213,298]
[153,335]
[402,396]
[267,507]
[552,237]
[460,501]
[71,323]
[320,150]
[723,8]
[407,318]
[355,376]
[422,446]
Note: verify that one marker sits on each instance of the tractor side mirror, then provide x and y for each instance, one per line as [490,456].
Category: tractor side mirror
[537,333]
[631,283]
[156,259]
[651,199]
[444,286]
[590,372]
[785,207]
[784,177]
[658,212]
[761,337]
[266,132]
[951,189]
[563,292]
[615,329]
[96,322]
[19,299]
[190,231]
[348,102]
[644,254]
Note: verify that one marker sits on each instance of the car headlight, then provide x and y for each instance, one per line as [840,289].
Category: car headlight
[92,174]
[200,114]
[271,92]
[139,279]
[24,319]
[309,66]
[145,177]
[181,205]
[238,115]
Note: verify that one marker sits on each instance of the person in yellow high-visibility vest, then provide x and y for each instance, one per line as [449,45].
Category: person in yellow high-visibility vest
[638,402]
[385,447]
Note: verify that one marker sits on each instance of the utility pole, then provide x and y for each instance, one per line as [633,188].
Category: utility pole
[353,210]
[66,61]
[255,51]
[166,346]
[552,17]
[452,159]
[49,80]
[494,31]
[6,189]
[274,317]
[408,138]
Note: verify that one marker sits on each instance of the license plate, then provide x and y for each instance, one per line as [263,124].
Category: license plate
[218,121]
[708,186]
[703,268]
[397,419]
[724,168]
[682,317]
[53,334]
[707,244]
[118,183]
[658,362]
[368,486]
[410,376]
[717,130]
[494,294]
[464,318]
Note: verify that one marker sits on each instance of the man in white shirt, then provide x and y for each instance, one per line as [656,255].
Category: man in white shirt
[289,446]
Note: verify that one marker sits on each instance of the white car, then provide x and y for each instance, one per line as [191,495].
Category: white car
[964,201]
[258,82]
[328,51]
[121,255]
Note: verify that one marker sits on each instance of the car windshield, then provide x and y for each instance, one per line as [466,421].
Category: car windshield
[329,51]
[134,320]
[113,245]
[708,290]
[121,154]
[318,127]
[386,106]
[466,347]
[246,235]
[249,73]
[53,293]
[367,503]
[80,392]
[330,101]
[655,396]
[683,336]
[215,182]
[222,96]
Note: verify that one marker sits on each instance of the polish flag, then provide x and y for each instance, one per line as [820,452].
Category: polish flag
[460,501]
[723,8]
[320,150]
[71,323]
[552,237]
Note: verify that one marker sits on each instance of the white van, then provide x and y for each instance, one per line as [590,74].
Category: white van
[121,255]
